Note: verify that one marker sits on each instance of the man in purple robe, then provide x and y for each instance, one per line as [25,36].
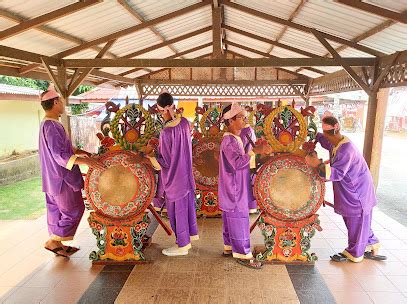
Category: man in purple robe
[61,178]
[246,133]
[234,188]
[354,194]
[174,158]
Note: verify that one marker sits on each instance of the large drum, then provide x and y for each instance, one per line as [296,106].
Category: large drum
[205,167]
[287,189]
[123,190]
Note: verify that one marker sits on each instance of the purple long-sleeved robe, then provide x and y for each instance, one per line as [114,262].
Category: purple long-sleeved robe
[354,195]
[234,190]
[175,159]
[61,180]
[248,131]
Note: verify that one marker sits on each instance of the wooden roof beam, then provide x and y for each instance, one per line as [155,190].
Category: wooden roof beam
[300,27]
[75,82]
[217,32]
[293,14]
[269,41]
[48,17]
[376,10]
[140,18]
[133,29]
[344,64]
[221,63]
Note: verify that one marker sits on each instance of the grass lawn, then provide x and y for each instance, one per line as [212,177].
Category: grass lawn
[22,200]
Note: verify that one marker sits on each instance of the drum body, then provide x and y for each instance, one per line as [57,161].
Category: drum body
[289,193]
[205,167]
[119,196]
[287,189]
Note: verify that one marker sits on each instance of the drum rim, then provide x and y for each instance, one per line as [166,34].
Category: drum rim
[277,213]
[149,199]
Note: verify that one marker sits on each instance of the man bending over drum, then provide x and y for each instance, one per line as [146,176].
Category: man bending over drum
[234,187]
[174,156]
[61,178]
[354,194]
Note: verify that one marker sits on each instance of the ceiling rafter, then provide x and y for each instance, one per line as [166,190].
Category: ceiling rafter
[292,16]
[133,29]
[48,17]
[300,27]
[376,10]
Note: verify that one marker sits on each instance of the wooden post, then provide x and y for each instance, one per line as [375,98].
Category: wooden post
[374,134]
[63,87]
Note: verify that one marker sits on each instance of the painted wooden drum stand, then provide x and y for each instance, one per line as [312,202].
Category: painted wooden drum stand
[287,190]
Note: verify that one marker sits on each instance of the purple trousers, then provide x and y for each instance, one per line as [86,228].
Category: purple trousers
[236,233]
[360,234]
[64,212]
[182,215]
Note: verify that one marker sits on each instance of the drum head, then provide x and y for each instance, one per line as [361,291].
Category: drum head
[124,189]
[205,164]
[288,189]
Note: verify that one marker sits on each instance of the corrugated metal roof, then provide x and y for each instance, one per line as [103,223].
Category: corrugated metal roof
[309,73]
[38,42]
[390,40]
[151,9]
[16,90]
[185,23]
[247,41]
[278,8]
[336,19]
[252,24]
[305,41]
[33,8]
[95,21]
[5,23]
[134,42]
[394,5]
[109,16]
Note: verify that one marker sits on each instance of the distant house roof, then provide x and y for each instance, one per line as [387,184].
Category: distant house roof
[11,92]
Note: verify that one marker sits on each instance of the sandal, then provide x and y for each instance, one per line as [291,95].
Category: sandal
[71,250]
[251,263]
[369,255]
[339,257]
[227,253]
[57,251]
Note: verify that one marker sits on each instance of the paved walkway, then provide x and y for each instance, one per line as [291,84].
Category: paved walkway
[29,274]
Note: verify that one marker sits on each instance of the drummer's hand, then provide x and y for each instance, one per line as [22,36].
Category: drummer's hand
[148,149]
[263,149]
[312,160]
[82,153]
[90,162]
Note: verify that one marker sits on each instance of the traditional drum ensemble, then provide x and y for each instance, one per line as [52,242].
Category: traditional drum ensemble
[230,162]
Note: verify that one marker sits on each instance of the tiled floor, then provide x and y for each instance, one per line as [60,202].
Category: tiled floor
[29,274]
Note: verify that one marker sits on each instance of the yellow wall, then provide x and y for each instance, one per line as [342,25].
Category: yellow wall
[19,125]
[189,106]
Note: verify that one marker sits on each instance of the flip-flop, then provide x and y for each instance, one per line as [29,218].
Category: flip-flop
[71,250]
[369,255]
[339,257]
[227,253]
[57,250]
[251,263]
